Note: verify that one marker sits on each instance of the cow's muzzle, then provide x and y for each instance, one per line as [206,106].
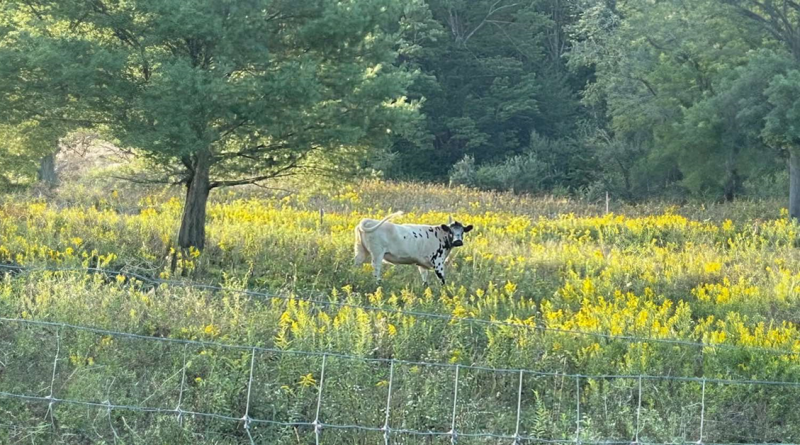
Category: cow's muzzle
[458,243]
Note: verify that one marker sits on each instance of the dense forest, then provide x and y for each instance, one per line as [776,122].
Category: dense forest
[669,99]
[651,98]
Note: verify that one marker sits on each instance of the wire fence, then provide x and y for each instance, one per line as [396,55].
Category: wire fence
[386,309]
[396,401]
[253,390]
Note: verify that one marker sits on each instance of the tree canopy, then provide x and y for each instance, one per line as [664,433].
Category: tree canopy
[664,98]
[216,93]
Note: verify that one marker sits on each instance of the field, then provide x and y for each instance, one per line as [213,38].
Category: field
[700,301]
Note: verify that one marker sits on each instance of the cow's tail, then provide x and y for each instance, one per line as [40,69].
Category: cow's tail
[380,223]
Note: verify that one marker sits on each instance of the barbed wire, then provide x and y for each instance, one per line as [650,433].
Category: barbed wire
[318,424]
[430,315]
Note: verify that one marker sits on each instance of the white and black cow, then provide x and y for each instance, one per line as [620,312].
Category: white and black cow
[424,246]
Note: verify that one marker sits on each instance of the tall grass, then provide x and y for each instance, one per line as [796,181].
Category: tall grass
[721,275]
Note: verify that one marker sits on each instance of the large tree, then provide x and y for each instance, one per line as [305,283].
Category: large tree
[216,92]
[778,21]
[663,69]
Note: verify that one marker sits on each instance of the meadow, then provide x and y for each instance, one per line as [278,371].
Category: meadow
[549,285]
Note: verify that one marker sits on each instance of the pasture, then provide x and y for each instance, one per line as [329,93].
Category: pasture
[652,323]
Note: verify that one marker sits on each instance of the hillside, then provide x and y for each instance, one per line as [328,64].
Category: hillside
[648,323]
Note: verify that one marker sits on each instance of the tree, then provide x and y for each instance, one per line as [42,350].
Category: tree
[25,141]
[217,93]
[779,21]
[781,130]
[727,131]
[660,71]
[27,154]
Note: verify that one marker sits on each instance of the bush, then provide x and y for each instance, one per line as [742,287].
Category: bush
[522,173]
[464,172]
[547,165]
[769,186]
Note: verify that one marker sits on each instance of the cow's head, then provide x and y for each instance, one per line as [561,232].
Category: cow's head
[455,232]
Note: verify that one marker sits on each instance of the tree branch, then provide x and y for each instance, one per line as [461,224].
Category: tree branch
[136,180]
[255,179]
[492,11]
[645,83]
[40,17]
[187,162]
[233,128]
[768,25]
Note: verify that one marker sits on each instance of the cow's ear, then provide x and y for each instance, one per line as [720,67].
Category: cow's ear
[468,228]
[445,227]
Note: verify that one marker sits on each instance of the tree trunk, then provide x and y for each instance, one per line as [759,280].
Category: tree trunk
[47,171]
[794,184]
[731,186]
[193,224]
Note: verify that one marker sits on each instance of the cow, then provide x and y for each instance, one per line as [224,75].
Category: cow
[424,246]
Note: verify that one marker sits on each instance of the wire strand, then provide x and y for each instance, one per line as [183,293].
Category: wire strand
[170,412]
[480,321]
[209,344]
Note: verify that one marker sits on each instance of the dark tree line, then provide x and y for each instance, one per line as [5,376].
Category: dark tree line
[669,98]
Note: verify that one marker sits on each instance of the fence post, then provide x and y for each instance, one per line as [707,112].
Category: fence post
[702,410]
[517,438]
[246,416]
[453,434]
[51,396]
[639,410]
[317,424]
[578,409]
[183,385]
[607,203]
[386,430]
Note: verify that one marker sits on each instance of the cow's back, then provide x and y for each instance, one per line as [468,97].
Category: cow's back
[412,243]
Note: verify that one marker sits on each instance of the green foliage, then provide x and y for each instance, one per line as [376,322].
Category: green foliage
[256,84]
[214,93]
[722,138]
[686,83]
[783,94]
[493,75]
[664,98]
[21,148]
[545,165]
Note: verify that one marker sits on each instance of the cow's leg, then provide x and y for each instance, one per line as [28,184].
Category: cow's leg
[424,274]
[362,254]
[377,263]
[438,267]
